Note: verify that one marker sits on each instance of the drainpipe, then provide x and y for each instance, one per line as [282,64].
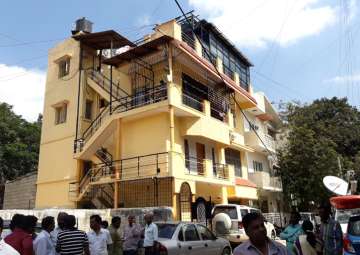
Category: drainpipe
[78,98]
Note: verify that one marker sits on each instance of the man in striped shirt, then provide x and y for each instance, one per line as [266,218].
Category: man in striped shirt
[72,241]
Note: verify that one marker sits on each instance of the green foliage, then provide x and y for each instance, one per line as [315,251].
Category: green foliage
[316,136]
[19,144]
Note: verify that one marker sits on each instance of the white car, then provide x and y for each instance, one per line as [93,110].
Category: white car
[182,238]
[227,222]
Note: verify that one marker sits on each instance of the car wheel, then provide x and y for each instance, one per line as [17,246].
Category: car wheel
[273,235]
[226,251]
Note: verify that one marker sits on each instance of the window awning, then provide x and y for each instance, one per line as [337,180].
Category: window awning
[103,40]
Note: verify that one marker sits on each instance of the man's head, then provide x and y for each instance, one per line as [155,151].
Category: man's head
[95,222]
[105,224]
[61,219]
[1,225]
[17,221]
[48,224]
[148,218]
[131,219]
[69,222]
[295,217]
[30,224]
[324,211]
[254,227]
[116,222]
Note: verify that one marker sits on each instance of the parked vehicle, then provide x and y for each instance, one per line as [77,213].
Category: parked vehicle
[227,222]
[352,236]
[189,239]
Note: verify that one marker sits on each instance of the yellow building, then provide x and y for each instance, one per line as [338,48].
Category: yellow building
[146,124]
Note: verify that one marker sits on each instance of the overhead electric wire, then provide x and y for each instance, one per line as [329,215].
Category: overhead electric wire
[236,102]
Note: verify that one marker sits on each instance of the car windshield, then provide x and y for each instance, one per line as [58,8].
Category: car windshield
[230,211]
[166,230]
[354,226]
[342,216]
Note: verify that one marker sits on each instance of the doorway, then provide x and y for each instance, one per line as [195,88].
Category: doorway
[200,154]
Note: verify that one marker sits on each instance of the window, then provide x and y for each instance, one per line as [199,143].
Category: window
[88,109]
[243,212]
[60,114]
[191,234]
[166,230]
[232,157]
[205,233]
[258,166]
[229,210]
[181,235]
[103,103]
[64,67]
[187,154]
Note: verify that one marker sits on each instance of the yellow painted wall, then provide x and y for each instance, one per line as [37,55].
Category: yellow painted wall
[56,161]
[145,136]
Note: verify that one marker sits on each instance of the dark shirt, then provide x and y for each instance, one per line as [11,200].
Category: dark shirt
[72,242]
[20,241]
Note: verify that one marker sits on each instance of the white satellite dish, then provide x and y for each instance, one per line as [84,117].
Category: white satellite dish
[336,185]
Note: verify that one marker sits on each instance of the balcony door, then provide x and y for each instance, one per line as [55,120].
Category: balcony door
[233,157]
[200,154]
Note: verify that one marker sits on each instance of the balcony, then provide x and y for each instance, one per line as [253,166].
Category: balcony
[265,181]
[252,140]
[134,168]
[190,101]
[206,168]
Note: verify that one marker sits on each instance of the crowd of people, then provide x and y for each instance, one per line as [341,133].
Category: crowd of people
[300,239]
[66,239]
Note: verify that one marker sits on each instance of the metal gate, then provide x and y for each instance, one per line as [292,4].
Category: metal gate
[185,202]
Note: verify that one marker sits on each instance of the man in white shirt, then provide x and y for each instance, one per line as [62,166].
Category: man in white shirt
[43,244]
[99,239]
[150,235]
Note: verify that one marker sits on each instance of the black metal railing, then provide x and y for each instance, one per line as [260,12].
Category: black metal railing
[220,171]
[194,165]
[217,114]
[132,168]
[192,102]
[105,83]
[188,39]
[148,96]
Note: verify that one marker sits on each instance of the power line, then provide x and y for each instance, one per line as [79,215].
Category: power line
[30,43]
[236,102]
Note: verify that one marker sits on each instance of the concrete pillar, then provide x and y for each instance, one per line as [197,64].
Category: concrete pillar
[207,108]
[117,142]
[237,78]
[230,119]
[198,47]
[221,154]
[219,65]
[172,139]
[224,195]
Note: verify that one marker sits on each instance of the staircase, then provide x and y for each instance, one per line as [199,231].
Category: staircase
[123,104]
[104,83]
[103,196]
[104,156]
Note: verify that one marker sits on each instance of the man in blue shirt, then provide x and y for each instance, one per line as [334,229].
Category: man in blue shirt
[258,243]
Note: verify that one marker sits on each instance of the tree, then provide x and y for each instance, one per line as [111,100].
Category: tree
[316,135]
[19,144]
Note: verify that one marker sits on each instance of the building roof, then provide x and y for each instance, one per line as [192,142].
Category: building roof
[138,51]
[210,26]
[103,40]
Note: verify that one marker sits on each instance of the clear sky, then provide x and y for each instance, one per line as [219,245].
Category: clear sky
[301,49]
